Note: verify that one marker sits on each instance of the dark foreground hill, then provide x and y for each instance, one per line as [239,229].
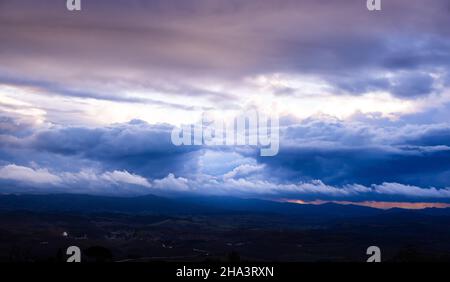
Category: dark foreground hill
[153,228]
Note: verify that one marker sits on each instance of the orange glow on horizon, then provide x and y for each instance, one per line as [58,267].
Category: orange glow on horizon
[375,204]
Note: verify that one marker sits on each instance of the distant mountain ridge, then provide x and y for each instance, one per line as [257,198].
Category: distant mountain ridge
[151,204]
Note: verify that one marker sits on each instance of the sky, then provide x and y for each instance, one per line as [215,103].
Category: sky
[88,99]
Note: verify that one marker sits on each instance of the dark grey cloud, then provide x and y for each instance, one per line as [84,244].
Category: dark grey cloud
[401,84]
[418,84]
[134,146]
[15,127]
[341,153]
[217,41]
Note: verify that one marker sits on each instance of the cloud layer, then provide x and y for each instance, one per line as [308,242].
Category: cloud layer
[88,100]
[320,159]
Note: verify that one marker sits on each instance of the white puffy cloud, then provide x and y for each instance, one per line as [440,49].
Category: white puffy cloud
[211,185]
[73,181]
[241,181]
[408,190]
[243,170]
[125,177]
[29,175]
[172,183]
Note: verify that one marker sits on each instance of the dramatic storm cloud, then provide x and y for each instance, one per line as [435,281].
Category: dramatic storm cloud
[88,99]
